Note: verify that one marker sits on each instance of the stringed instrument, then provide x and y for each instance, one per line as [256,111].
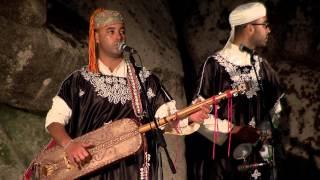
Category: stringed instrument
[111,143]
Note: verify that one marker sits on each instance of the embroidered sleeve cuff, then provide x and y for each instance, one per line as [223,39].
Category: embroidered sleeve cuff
[222,137]
[181,131]
[180,127]
[223,125]
[59,112]
[165,110]
[208,127]
[275,112]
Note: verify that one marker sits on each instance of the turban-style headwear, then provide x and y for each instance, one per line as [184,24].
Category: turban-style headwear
[100,18]
[244,14]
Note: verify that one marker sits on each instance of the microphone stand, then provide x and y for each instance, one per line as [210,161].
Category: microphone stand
[150,114]
[265,112]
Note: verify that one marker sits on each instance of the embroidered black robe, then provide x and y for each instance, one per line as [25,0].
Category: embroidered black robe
[96,99]
[218,74]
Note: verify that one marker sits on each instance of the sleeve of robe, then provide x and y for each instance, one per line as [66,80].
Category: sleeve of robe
[211,81]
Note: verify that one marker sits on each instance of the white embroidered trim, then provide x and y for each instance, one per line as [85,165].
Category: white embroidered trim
[238,77]
[81,92]
[252,123]
[144,74]
[150,93]
[256,174]
[114,88]
[275,112]
[144,170]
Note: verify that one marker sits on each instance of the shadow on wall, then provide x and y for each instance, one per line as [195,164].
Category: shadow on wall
[298,167]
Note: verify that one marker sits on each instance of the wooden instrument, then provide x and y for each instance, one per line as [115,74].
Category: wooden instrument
[111,143]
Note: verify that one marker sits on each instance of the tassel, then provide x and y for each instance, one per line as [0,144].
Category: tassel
[215,132]
[229,95]
[93,66]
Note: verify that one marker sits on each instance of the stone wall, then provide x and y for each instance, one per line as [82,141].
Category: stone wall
[42,41]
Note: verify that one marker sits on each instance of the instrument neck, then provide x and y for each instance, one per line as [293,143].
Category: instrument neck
[184,113]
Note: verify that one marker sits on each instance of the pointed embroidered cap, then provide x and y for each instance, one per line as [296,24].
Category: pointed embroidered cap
[107,17]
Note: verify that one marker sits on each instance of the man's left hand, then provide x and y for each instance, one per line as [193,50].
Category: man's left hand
[200,115]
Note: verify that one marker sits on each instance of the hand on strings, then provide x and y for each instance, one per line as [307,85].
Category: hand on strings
[77,153]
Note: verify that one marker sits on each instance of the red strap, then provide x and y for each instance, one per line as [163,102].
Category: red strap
[229,95]
[177,127]
[28,172]
[215,132]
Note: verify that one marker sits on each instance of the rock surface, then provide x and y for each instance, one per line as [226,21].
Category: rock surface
[42,41]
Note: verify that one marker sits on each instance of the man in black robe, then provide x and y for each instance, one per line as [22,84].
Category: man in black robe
[108,90]
[227,69]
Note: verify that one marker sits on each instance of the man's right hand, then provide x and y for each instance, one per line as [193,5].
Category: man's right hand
[77,153]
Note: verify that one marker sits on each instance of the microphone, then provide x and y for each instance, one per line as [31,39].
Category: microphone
[123,47]
[249,166]
[246,49]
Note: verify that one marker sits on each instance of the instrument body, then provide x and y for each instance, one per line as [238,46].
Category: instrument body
[111,142]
